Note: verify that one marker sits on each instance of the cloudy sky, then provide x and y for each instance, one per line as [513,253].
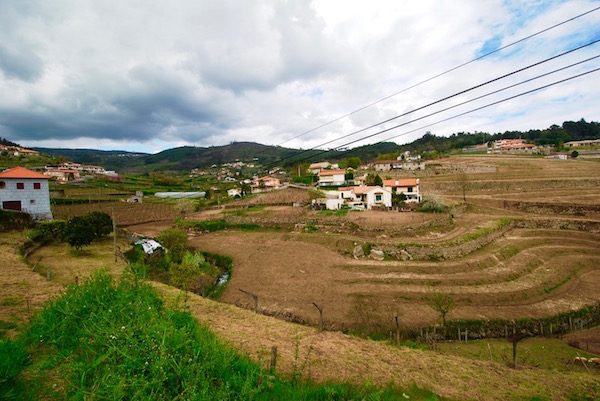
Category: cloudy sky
[148,75]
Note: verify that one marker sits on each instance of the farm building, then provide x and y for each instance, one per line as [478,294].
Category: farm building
[589,142]
[408,186]
[316,167]
[332,177]
[363,197]
[27,191]
[266,183]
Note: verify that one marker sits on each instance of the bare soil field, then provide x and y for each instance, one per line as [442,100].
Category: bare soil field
[531,273]
[125,213]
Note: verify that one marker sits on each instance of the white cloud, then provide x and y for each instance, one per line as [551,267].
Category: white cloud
[151,74]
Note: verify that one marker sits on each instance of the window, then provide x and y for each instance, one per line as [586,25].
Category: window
[37,185]
[20,185]
[32,201]
[410,189]
[2,184]
[377,197]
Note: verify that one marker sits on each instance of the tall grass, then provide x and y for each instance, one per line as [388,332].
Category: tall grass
[107,340]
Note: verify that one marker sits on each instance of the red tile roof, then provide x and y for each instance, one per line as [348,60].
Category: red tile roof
[326,173]
[402,182]
[22,172]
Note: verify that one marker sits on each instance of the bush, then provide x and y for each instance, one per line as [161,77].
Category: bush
[11,220]
[433,205]
[102,223]
[176,243]
[47,231]
[78,232]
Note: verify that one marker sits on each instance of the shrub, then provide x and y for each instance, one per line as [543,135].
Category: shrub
[433,205]
[47,231]
[79,233]
[101,222]
[175,241]
[11,220]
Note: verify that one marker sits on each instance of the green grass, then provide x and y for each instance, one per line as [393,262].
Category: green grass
[545,353]
[216,225]
[104,340]
[336,213]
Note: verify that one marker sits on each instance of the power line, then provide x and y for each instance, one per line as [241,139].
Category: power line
[437,101]
[452,117]
[440,74]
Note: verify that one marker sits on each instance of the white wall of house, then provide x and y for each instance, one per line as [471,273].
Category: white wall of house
[336,179]
[35,202]
[379,196]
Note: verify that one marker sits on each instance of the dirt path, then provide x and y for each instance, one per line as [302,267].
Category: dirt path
[332,356]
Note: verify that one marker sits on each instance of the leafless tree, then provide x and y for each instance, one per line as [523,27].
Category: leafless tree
[442,304]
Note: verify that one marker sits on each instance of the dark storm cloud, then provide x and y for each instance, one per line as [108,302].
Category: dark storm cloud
[20,63]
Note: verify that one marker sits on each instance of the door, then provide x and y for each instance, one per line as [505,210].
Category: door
[12,205]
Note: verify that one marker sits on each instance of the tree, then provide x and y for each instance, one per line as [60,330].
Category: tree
[378,181]
[175,241]
[574,154]
[101,223]
[79,233]
[398,199]
[246,189]
[442,304]
[353,162]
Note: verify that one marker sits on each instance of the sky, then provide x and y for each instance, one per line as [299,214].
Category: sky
[146,75]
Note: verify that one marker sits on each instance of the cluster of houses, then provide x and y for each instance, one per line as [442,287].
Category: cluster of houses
[69,171]
[405,162]
[17,151]
[361,197]
[503,146]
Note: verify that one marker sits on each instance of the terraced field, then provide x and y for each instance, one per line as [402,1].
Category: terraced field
[527,273]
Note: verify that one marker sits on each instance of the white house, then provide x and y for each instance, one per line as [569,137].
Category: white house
[27,191]
[332,177]
[373,196]
[361,196]
[408,186]
[316,167]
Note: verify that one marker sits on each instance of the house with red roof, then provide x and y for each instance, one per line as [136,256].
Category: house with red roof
[407,186]
[25,191]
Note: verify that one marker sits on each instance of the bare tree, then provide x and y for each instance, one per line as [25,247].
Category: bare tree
[442,304]
[515,338]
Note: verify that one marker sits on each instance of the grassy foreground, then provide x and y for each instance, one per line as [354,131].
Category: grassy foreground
[106,340]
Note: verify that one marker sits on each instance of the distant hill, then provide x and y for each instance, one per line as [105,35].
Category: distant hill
[110,159]
[188,157]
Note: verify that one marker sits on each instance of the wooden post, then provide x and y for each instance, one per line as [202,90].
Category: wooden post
[320,309]
[466,335]
[114,224]
[459,334]
[273,358]
[550,328]
[541,328]
[570,323]
[397,329]
[514,349]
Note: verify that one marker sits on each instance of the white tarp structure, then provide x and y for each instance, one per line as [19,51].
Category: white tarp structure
[148,245]
[180,195]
